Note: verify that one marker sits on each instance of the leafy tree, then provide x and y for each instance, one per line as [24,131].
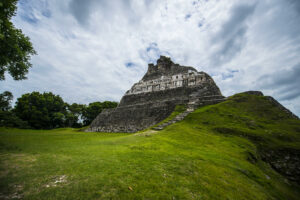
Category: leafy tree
[93,109]
[71,120]
[74,115]
[41,111]
[15,47]
[58,119]
[7,116]
[9,119]
[76,109]
[85,113]
[5,101]
[109,104]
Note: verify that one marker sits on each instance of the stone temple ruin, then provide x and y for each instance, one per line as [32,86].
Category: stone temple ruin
[154,98]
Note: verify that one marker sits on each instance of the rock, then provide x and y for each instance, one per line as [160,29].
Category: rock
[285,161]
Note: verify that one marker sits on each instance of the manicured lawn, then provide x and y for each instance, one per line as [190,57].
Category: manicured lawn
[187,160]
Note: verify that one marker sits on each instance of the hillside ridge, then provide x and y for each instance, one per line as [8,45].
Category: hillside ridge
[264,121]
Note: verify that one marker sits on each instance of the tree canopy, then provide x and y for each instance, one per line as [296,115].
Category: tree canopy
[74,115]
[5,101]
[93,109]
[15,47]
[47,110]
[7,117]
[41,111]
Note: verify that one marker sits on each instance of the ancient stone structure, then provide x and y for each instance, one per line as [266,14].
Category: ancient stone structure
[153,98]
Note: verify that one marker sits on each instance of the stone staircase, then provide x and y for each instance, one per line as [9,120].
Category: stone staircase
[178,118]
[193,104]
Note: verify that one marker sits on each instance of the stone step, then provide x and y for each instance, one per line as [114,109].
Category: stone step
[178,118]
[190,108]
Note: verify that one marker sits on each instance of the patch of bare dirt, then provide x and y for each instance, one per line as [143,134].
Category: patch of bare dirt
[147,133]
[58,180]
[17,194]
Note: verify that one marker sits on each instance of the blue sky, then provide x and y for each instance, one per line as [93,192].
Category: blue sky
[94,50]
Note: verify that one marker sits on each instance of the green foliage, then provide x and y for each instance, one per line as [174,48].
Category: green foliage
[5,101]
[91,111]
[76,109]
[41,111]
[47,111]
[74,115]
[15,47]
[7,116]
[59,119]
[9,119]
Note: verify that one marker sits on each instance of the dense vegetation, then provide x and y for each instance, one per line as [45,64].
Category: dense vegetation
[90,112]
[214,153]
[46,111]
[15,47]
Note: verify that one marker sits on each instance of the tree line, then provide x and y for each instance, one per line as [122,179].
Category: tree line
[47,111]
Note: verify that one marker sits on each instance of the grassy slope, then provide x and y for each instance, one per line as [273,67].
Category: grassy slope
[178,110]
[187,160]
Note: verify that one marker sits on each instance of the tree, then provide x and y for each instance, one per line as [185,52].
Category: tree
[58,119]
[71,120]
[5,101]
[74,115]
[15,47]
[93,109]
[7,116]
[41,111]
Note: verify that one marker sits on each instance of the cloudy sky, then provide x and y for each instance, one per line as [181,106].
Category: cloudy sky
[94,50]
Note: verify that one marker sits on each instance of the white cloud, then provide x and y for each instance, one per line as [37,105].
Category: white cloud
[95,50]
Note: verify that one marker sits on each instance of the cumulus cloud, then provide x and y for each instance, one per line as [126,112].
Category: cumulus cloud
[82,9]
[94,50]
[295,4]
[284,82]
[232,36]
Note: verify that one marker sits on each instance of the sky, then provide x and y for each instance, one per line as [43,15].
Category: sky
[95,50]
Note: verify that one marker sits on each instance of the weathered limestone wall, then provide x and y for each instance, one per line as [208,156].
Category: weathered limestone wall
[132,118]
[154,98]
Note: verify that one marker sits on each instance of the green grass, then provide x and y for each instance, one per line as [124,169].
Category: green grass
[201,157]
[178,109]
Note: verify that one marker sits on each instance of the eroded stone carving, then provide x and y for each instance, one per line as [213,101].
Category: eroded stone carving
[189,78]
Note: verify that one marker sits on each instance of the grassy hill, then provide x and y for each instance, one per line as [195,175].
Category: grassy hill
[243,148]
